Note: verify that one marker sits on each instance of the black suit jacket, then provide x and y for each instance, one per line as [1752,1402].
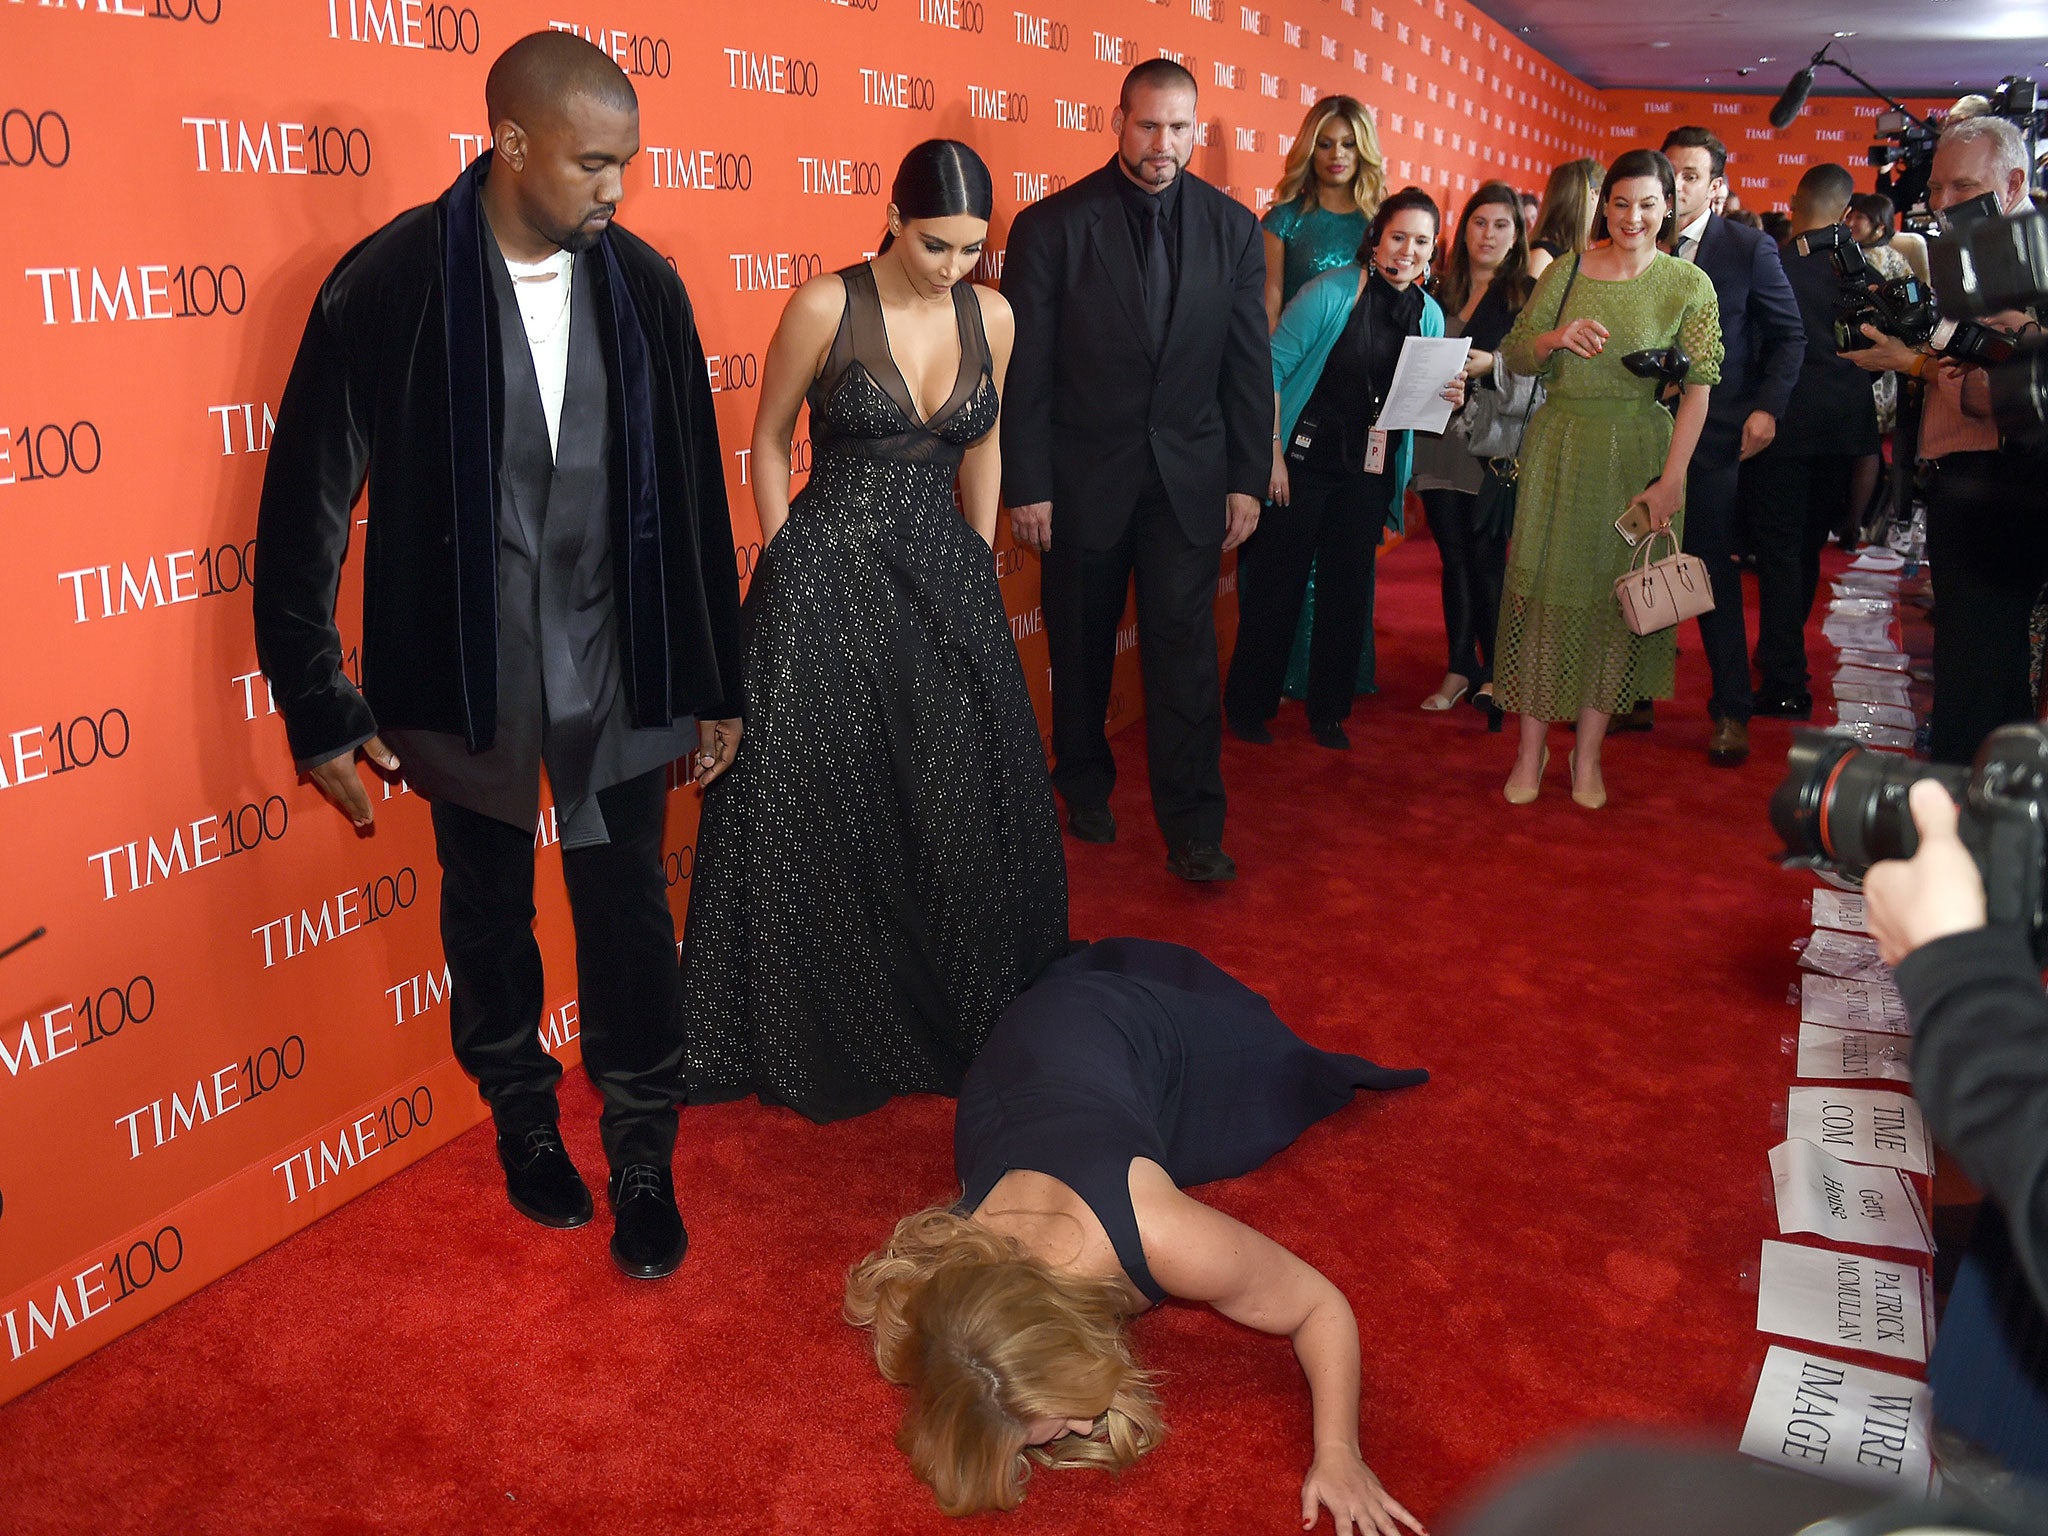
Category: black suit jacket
[390,377]
[1762,336]
[1832,411]
[1088,408]
[1980,1071]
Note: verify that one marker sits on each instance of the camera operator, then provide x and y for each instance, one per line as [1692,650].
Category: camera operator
[1987,508]
[1980,1070]
[1798,490]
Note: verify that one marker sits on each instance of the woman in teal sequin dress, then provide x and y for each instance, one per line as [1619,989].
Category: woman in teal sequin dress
[1332,185]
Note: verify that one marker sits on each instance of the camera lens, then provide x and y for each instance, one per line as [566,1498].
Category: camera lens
[1845,805]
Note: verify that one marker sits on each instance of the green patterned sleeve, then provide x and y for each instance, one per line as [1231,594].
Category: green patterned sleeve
[1537,316]
[1699,331]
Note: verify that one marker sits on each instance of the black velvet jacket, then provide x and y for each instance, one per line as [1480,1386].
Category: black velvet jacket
[399,371]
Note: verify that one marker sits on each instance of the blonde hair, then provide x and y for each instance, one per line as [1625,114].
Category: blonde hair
[1570,200]
[1368,177]
[991,1341]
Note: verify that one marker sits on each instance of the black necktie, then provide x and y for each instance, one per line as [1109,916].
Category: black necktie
[1158,273]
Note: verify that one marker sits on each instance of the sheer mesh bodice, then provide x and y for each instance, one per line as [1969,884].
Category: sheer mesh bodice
[861,403]
[880,871]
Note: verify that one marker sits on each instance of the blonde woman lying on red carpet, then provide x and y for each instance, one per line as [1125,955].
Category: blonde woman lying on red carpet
[1128,1070]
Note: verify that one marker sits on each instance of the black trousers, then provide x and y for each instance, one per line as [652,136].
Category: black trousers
[1332,522]
[1083,591]
[1475,568]
[1710,502]
[1987,553]
[1796,501]
[626,970]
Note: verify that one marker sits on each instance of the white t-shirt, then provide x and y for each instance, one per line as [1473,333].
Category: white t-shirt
[543,289]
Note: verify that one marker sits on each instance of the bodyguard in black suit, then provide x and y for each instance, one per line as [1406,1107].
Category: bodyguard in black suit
[1798,488]
[1137,433]
[1763,341]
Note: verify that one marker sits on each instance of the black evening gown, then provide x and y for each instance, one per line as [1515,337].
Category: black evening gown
[1132,1048]
[880,871]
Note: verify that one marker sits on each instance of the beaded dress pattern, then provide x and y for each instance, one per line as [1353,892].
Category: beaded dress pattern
[880,872]
[1599,437]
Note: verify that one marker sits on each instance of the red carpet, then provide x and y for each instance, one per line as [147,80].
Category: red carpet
[1551,1235]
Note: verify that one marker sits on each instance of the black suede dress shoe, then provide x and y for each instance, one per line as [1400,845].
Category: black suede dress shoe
[540,1180]
[1253,731]
[1091,823]
[648,1240]
[1202,863]
[1783,706]
[1332,736]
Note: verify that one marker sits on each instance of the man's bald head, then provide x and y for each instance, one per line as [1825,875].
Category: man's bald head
[537,76]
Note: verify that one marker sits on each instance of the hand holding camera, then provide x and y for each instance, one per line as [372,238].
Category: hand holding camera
[1937,892]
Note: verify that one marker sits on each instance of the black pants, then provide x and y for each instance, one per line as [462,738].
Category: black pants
[1475,567]
[1083,593]
[1710,501]
[1796,501]
[1332,522]
[1987,552]
[626,971]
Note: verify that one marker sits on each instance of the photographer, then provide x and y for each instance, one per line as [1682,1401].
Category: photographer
[1798,489]
[1980,1070]
[1987,508]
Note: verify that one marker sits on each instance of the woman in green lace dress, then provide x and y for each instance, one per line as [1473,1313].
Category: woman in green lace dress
[1600,444]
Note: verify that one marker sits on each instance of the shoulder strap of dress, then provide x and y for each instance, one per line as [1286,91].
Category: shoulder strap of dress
[1110,1200]
[973,335]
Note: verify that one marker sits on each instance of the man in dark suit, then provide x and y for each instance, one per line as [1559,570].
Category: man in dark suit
[1763,341]
[1137,437]
[548,584]
[1798,488]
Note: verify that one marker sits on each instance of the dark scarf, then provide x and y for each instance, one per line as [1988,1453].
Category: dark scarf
[474,371]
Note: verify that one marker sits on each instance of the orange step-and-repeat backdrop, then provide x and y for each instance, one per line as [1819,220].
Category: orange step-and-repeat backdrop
[239,1018]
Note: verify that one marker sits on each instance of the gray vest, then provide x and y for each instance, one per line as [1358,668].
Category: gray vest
[559,700]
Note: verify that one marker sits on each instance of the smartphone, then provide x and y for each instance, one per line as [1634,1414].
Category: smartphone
[1633,525]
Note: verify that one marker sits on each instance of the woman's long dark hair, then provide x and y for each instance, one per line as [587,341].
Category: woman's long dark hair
[1631,166]
[940,178]
[1512,278]
[1407,200]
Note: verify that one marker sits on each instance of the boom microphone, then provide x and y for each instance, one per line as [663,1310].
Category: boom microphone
[1794,98]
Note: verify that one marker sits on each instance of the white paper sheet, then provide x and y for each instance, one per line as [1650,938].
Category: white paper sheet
[1844,954]
[1846,1202]
[1415,399]
[1871,677]
[1863,603]
[1875,557]
[1857,712]
[1841,1421]
[1847,1004]
[1871,734]
[1883,659]
[1844,1299]
[1862,1125]
[1839,909]
[1872,632]
[1847,1054]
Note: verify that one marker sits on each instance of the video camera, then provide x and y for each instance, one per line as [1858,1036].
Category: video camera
[1985,264]
[1896,306]
[1843,807]
[1907,151]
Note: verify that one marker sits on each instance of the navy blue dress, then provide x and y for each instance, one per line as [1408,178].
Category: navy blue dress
[1131,1048]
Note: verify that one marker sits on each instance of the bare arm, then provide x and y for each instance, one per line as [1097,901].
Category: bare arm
[1538,260]
[795,357]
[1276,273]
[981,471]
[1661,498]
[1200,1254]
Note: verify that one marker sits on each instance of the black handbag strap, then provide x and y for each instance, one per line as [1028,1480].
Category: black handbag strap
[1555,320]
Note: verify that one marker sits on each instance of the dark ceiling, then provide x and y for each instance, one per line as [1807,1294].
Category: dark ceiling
[1909,47]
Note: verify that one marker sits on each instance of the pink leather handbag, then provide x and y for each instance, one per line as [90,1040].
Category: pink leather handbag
[1656,594]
